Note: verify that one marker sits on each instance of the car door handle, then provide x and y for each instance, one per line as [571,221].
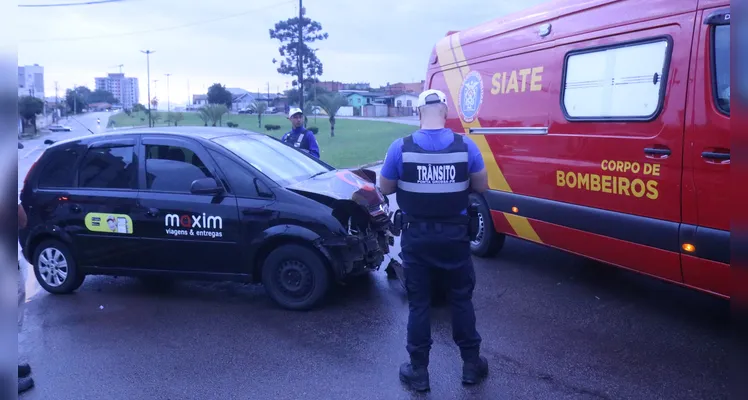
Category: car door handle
[75,208]
[651,151]
[257,211]
[152,212]
[711,155]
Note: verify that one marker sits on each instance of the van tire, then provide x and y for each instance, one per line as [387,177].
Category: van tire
[491,242]
[295,268]
[53,248]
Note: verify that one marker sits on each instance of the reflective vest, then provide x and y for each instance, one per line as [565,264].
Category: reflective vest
[434,183]
[299,141]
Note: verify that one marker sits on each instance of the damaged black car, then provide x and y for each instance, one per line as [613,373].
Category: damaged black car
[202,204]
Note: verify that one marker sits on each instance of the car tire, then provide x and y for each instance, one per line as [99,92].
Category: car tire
[51,258]
[489,242]
[295,277]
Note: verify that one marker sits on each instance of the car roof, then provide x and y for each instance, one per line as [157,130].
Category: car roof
[197,132]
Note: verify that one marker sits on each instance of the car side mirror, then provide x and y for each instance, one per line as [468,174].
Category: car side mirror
[49,141]
[20,145]
[262,189]
[206,186]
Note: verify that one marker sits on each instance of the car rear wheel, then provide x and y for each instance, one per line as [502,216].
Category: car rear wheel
[488,242]
[295,277]
[55,269]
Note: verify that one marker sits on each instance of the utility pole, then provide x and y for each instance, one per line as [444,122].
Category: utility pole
[57,107]
[168,102]
[189,103]
[300,55]
[148,78]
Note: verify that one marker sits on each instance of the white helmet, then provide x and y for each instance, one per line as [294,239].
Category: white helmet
[431,96]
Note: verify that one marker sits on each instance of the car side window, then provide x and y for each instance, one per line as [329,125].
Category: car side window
[172,168]
[59,172]
[240,181]
[721,67]
[109,168]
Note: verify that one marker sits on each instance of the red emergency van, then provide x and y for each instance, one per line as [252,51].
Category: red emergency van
[604,126]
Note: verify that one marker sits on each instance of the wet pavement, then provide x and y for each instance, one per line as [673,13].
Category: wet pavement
[554,326]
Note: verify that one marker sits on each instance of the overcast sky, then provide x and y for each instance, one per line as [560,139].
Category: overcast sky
[201,42]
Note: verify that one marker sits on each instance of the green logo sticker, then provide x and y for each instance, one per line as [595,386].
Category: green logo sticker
[109,223]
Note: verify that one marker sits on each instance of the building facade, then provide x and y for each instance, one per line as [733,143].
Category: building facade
[123,89]
[31,81]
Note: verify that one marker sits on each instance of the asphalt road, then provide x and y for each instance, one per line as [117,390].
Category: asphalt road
[554,327]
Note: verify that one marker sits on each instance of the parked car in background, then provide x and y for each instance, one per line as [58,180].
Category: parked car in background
[59,128]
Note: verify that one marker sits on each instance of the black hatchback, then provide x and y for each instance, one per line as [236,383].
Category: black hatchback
[201,203]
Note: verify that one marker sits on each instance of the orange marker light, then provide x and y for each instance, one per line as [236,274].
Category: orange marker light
[688,247]
[515,209]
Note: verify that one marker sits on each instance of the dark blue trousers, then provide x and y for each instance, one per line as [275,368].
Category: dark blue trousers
[432,252]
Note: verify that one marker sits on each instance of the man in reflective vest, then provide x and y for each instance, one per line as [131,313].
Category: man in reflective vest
[433,171]
[300,137]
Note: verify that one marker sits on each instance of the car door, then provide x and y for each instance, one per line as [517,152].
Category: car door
[103,203]
[183,231]
[255,201]
[706,192]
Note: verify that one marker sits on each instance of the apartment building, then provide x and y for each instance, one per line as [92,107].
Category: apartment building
[31,81]
[124,89]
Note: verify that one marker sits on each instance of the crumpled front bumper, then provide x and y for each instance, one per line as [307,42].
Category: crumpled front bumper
[357,254]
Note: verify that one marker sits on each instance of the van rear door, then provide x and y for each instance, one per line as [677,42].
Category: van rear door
[706,192]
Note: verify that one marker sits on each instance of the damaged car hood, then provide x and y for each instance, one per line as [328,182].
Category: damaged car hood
[343,185]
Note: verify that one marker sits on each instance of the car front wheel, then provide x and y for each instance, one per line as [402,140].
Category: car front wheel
[55,269]
[295,277]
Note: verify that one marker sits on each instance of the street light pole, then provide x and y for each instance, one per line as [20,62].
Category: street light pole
[148,78]
[300,55]
[168,101]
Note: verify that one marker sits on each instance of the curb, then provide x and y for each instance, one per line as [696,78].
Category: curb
[369,165]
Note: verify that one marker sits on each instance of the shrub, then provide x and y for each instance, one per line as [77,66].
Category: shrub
[232,124]
[314,129]
[268,127]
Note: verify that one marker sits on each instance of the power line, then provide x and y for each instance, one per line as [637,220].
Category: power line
[84,3]
[70,39]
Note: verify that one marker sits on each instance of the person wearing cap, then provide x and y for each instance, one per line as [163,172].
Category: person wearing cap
[432,172]
[300,137]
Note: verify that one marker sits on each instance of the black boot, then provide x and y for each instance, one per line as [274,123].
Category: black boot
[416,377]
[25,384]
[474,371]
[24,370]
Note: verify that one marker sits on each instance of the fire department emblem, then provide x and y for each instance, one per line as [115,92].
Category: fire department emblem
[471,96]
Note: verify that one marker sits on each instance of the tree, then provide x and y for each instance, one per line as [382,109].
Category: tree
[213,113]
[137,107]
[177,117]
[295,52]
[29,107]
[309,95]
[260,107]
[331,104]
[102,96]
[77,99]
[218,94]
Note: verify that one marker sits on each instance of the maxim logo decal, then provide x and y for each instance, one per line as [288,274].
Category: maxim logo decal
[193,225]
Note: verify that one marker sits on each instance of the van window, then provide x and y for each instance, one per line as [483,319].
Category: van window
[109,168]
[622,82]
[59,172]
[172,168]
[721,67]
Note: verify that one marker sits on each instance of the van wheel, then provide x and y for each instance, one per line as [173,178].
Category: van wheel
[487,242]
[295,277]
[55,269]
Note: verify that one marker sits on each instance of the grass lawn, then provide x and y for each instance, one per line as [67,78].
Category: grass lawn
[356,142]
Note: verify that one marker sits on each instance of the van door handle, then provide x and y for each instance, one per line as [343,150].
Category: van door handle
[152,212]
[711,155]
[651,151]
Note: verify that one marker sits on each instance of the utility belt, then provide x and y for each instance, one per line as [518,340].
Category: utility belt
[402,221]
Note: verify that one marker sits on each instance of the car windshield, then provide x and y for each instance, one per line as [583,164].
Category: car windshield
[279,162]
